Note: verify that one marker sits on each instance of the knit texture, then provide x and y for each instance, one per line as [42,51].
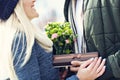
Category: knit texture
[7,8]
[39,66]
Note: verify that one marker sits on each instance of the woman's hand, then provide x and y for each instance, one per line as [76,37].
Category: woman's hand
[90,69]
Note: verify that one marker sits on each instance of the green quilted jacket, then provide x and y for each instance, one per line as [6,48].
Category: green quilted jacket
[101,31]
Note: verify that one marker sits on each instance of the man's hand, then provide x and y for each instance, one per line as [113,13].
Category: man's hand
[75,65]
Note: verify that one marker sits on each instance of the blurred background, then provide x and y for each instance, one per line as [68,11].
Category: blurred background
[49,11]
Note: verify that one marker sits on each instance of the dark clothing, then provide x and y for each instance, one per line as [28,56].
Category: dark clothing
[101,26]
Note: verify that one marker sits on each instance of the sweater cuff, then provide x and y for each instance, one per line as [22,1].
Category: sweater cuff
[74,77]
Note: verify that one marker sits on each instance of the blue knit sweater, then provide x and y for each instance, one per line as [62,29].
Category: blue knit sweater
[39,66]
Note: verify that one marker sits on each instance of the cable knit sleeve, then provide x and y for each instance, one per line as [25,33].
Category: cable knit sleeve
[30,71]
[47,71]
[39,66]
[74,77]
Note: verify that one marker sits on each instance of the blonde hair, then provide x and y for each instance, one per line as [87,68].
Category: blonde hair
[19,22]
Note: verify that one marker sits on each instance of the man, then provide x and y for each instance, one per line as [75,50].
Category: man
[97,23]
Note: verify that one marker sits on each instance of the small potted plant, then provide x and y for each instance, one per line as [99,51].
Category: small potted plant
[63,40]
[62,36]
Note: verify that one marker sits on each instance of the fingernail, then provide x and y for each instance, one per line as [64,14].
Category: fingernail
[71,62]
[104,59]
[91,59]
[104,66]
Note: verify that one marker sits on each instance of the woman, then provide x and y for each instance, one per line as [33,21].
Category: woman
[26,52]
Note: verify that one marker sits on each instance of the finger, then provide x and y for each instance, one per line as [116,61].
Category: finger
[76,63]
[86,63]
[79,55]
[101,65]
[97,64]
[74,69]
[101,72]
[91,66]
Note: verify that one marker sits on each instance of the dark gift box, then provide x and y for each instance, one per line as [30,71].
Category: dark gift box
[65,59]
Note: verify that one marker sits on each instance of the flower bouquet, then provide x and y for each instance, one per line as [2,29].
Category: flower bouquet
[62,36]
